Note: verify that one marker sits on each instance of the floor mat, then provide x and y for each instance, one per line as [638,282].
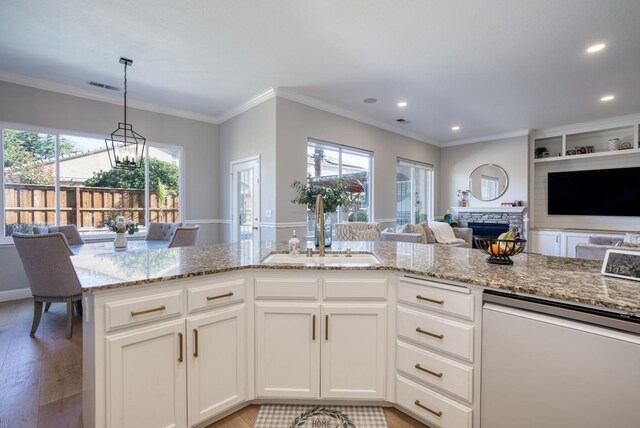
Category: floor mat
[309,416]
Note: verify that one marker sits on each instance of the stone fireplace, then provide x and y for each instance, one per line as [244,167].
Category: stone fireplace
[508,216]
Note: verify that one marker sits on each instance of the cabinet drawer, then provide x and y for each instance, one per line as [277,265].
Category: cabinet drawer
[127,312]
[437,333]
[287,288]
[443,411]
[360,289]
[435,298]
[212,295]
[435,370]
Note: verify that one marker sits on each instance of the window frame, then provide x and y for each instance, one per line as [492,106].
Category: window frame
[57,132]
[431,188]
[314,142]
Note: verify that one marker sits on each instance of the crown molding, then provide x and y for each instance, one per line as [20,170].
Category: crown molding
[250,103]
[322,105]
[594,125]
[518,133]
[110,99]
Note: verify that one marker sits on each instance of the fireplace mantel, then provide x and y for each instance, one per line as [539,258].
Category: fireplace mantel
[508,210]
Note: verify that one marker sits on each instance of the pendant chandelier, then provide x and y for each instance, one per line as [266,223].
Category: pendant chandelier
[125,146]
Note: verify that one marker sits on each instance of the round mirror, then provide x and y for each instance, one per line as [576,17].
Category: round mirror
[488,182]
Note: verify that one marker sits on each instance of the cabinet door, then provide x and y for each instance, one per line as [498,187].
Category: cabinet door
[353,351]
[217,362]
[146,377]
[570,242]
[287,350]
[545,242]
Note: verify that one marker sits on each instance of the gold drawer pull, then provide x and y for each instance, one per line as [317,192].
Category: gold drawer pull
[229,294]
[437,336]
[195,343]
[426,299]
[148,311]
[417,403]
[180,358]
[419,367]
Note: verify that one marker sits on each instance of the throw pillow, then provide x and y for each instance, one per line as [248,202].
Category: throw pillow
[630,245]
[367,235]
[401,229]
[390,230]
[416,228]
[431,238]
[632,238]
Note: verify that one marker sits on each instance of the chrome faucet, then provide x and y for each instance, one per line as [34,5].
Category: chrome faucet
[320,223]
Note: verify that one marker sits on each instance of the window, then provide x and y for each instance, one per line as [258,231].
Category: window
[328,162]
[414,192]
[58,179]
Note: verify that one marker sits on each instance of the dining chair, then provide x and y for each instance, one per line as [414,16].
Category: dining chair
[161,231]
[185,237]
[50,273]
[70,231]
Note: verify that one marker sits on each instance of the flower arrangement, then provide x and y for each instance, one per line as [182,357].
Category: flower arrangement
[463,196]
[121,225]
[332,192]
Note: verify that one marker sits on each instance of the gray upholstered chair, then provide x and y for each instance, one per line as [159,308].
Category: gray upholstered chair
[185,237]
[70,231]
[50,273]
[161,231]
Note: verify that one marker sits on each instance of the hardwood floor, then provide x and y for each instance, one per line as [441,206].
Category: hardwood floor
[41,377]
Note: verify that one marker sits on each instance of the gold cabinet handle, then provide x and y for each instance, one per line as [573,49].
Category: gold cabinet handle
[428,333]
[229,294]
[148,311]
[422,406]
[180,358]
[195,342]
[313,328]
[419,367]
[426,299]
[326,327]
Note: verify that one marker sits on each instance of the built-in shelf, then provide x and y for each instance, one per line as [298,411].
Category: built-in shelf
[588,155]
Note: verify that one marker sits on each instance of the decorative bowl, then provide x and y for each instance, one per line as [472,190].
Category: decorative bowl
[500,250]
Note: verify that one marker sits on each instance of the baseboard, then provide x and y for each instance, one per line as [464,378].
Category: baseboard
[20,293]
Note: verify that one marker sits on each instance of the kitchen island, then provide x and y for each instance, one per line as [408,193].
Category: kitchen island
[182,337]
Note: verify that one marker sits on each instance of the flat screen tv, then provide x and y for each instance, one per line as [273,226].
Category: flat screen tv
[607,192]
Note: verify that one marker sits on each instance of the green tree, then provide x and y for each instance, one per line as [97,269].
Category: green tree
[21,147]
[159,172]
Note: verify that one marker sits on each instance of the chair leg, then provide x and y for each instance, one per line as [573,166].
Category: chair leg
[37,314]
[69,319]
[47,306]
[78,305]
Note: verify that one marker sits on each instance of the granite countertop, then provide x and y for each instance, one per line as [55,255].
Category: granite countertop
[570,280]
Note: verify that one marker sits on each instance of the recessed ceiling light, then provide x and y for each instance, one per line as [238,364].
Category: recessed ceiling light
[607,98]
[370,100]
[455,128]
[596,48]
[402,104]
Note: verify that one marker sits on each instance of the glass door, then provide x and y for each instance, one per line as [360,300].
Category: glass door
[245,203]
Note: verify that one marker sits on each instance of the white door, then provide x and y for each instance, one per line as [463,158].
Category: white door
[288,350]
[146,377]
[217,362]
[353,351]
[545,242]
[245,200]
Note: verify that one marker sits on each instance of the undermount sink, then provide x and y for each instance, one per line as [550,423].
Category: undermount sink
[330,259]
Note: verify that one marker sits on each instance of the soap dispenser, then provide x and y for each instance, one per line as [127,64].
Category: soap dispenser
[294,245]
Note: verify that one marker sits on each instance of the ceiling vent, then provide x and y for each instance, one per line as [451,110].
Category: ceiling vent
[103,86]
[403,121]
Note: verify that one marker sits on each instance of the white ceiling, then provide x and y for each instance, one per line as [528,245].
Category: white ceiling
[490,66]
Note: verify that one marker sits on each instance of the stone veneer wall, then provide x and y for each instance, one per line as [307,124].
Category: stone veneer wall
[512,219]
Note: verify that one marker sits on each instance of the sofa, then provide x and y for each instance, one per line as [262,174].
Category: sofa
[597,247]
[357,231]
[425,236]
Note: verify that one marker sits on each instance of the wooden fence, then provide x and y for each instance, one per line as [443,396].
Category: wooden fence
[86,207]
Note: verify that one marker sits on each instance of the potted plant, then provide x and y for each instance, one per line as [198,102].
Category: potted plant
[333,195]
[541,152]
[120,226]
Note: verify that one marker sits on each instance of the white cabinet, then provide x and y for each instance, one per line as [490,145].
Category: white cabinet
[146,377]
[545,242]
[217,352]
[287,350]
[353,351]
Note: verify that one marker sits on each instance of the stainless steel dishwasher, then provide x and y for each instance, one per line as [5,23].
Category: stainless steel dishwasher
[551,365]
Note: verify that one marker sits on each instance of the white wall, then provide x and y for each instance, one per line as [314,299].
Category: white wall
[249,134]
[29,106]
[297,122]
[458,162]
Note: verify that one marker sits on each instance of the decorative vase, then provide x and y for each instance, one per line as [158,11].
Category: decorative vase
[327,231]
[120,241]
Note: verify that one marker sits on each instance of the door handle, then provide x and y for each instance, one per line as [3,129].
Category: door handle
[195,342]
[180,358]
[326,327]
[313,328]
